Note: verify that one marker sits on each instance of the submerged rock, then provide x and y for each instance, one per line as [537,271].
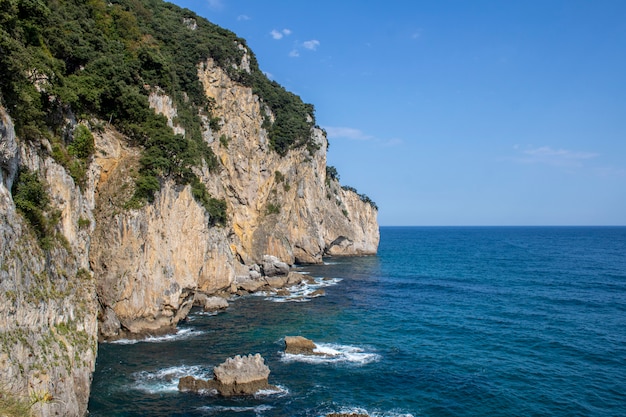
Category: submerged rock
[241,375]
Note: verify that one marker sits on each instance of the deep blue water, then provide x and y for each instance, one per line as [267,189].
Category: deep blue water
[511,321]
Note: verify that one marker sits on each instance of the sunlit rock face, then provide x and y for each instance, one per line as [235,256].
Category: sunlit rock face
[150,261]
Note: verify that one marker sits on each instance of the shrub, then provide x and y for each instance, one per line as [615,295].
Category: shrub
[331,174]
[215,208]
[82,145]
[272,208]
[224,141]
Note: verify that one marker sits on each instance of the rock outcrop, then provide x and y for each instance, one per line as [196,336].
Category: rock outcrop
[210,303]
[298,345]
[241,375]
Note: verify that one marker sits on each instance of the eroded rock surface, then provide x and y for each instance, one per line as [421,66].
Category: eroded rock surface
[241,375]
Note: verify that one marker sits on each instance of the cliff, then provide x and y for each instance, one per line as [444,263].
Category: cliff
[48,308]
[104,237]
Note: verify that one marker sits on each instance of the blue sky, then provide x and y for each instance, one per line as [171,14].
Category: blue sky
[457,112]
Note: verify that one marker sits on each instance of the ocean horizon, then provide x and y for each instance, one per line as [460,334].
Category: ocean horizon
[443,321]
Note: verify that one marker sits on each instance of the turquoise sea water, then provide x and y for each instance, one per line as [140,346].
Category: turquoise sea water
[443,322]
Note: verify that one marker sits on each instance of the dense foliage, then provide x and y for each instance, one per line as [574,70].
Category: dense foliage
[102,58]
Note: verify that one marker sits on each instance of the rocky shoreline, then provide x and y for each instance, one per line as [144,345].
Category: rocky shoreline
[271,277]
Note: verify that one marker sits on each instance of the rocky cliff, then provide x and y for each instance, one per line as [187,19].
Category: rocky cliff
[48,308]
[149,262]
[78,262]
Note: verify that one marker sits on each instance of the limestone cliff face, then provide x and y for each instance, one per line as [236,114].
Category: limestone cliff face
[48,303]
[150,261]
[281,205]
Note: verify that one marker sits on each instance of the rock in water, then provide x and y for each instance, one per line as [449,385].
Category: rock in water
[298,345]
[241,375]
[189,383]
[210,303]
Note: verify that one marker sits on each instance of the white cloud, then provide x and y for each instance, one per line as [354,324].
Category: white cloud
[346,133]
[312,44]
[243,17]
[294,53]
[215,4]
[279,34]
[556,157]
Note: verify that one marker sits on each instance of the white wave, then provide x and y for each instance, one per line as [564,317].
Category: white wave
[358,410]
[216,409]
[196,314]
[181,334]
[166,380]
[334,353]
[280,391]
[304,291]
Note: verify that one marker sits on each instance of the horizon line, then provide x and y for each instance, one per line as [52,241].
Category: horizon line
[503,225]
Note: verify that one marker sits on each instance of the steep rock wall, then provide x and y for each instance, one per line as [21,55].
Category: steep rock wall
[150,261]
[280,205]
[47,297]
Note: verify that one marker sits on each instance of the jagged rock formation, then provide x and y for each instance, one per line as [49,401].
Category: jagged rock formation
[241,375]
[106,269]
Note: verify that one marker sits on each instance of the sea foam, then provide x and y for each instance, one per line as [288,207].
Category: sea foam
[302,292]
[166,379]
[181,334]
[375,413]
[334,353]
[218,409]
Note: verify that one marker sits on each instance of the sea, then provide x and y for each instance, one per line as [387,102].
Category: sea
[443,321]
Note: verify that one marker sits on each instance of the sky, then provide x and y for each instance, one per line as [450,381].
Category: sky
[449,113]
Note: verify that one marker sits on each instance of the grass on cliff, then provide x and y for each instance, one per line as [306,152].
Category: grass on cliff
[13,406]
[33,202]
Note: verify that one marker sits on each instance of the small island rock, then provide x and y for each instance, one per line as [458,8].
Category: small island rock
[241,375]
[298,345]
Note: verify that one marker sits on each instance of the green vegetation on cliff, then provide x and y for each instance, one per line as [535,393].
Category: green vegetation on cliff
[100,60]
[333,175]
[32,200]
